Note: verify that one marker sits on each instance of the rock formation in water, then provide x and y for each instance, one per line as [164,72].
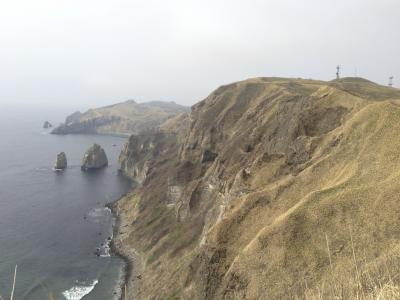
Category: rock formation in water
[61,161]
[94,158]
[47,124]
[270,188]
[120,119]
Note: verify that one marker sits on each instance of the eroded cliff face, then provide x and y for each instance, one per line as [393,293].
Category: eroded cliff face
[239,197]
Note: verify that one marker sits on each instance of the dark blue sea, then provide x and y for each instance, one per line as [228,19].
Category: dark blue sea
[52,223]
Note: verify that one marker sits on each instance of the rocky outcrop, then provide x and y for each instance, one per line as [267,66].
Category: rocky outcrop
[136,157]
[120,119]
[61,161]
[47,125]
[138,154]
[73,118]
[239,198]
[94,158]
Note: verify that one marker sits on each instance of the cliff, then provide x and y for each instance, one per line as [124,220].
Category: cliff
[269,188]
[120,119]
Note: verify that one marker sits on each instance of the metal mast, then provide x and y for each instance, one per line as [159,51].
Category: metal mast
[338,72]
[391,81]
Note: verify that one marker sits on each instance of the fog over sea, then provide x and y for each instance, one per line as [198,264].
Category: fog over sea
[51,223]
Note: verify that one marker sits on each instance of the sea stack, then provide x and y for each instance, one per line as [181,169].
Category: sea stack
[61,162]
[94,158]
[47,124]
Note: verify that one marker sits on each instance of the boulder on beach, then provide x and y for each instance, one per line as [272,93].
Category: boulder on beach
[94,158]
[61,161]
[47,124]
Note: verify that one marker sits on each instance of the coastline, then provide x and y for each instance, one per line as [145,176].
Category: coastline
[133,262]
[118,135]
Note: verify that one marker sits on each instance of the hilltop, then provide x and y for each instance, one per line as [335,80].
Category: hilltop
[120,119]
[270,188]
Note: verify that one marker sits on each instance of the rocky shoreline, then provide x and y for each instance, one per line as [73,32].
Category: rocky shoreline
[133,261]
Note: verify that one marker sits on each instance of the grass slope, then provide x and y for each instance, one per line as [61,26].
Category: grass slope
[300,199]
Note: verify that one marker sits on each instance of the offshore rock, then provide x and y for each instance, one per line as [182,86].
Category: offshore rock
[61,161]
[94,158]
[47,124]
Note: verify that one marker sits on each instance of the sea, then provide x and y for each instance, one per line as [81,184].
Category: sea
[55,227]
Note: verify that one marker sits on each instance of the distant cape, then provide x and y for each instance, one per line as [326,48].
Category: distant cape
[121,119]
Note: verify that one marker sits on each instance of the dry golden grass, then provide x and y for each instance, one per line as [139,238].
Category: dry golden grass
[376,280]
[303,166]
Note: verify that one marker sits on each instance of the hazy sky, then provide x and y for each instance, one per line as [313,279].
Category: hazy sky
[96,52]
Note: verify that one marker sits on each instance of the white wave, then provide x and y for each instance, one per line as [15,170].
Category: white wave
[79,291]
[119,283]
[98,214]
[41,169]
[104,249]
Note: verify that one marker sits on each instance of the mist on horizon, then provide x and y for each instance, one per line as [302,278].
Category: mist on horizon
[95,53]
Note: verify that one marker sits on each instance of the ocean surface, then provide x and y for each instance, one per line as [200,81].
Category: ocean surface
[54,225]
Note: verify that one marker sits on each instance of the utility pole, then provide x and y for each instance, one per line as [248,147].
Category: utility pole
[391,81]
[338,72]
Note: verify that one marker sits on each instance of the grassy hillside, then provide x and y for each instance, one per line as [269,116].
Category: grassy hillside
[276,189]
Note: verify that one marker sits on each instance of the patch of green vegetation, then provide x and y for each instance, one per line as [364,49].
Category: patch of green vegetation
[174,295]
[153,257]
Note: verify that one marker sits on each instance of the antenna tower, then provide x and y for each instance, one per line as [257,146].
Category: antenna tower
[338,72]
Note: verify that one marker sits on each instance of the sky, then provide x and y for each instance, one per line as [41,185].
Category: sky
[96,52]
